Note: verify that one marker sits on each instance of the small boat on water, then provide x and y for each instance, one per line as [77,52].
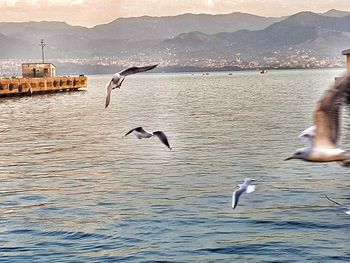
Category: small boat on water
[263,71]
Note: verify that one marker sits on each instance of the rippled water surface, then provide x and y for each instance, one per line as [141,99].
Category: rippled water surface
[72,190]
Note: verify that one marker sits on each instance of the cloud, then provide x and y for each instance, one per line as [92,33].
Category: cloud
[39,2]
[259,7]
[92,12]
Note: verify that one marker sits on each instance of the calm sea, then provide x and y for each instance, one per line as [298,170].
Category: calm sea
[72,190]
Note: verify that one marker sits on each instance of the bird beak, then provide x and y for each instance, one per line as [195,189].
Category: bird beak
[289,158]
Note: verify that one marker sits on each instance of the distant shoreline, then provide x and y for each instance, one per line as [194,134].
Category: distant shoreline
[93,70]
[89,69]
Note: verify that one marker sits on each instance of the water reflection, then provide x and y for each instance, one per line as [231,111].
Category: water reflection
[73,190]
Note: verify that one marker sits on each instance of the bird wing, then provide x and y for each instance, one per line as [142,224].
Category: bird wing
[162,137]
[340,205]
[235,197]
[133,70]
[330,199]
[308,135]
[141,130]
[327,113]
[250,189]
[126,134]
[108,93]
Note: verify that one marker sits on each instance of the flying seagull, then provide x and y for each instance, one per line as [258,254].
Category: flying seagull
[344,207]
[326,134]
[119,77]
[245,187]
[141,133]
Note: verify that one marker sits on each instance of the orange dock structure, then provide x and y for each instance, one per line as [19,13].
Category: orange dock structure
[40,78]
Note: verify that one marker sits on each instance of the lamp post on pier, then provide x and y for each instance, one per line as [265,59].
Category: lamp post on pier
[42,44]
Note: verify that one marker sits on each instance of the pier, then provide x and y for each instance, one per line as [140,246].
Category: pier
[40,78]
[28,86]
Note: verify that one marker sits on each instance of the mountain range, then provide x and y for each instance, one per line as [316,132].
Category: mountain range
[306,30]
[182,38]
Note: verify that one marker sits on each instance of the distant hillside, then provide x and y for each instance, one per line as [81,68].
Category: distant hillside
[13,47]
[37,30]
[327,35]
[141,28]
[336,13]
[146,27]
[184,39]
[123,35]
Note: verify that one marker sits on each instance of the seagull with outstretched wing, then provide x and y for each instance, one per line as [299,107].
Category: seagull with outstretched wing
[140,133]
[246,187]
[326,134]
[119,77]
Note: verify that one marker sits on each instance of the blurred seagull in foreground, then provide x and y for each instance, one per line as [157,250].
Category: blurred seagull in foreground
[344,207]
[245,187]
[323,144]
[119,77]
[141,133]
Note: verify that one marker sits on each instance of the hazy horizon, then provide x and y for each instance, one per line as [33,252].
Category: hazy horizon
[89,13]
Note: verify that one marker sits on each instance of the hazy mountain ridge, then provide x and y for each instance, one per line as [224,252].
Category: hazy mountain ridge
[123,35]
[147,27]
[336,13]
[303,30]
[182,38]
[13,47]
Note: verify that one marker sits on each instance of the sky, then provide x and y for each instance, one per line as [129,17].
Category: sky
[92,12]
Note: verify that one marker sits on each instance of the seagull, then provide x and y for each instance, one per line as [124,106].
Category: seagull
[141,133]
[324,137]
[119,77]
[346,208]
[245,187]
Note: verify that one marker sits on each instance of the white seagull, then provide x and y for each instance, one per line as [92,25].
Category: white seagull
[342,206]
[245,187]
[325,136]
[119,77]
[141,133]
